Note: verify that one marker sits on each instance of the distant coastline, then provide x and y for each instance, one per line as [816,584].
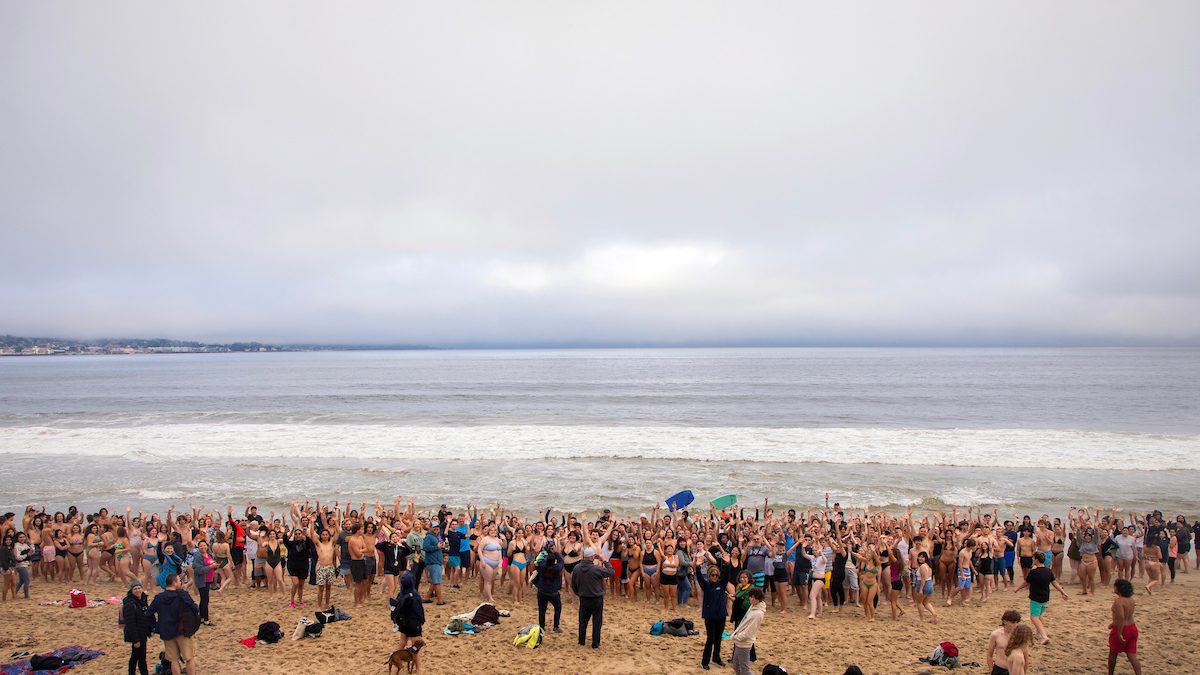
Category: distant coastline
[11,345]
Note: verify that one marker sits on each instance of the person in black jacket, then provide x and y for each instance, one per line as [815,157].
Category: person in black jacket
[713,608]
[548,582]
[588,583]
[137,626]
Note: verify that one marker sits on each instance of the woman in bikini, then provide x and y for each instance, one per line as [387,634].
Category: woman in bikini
[1089,553]
[925,592]
[667,575]
[70,547]
[221,553]
[151,542]
[1057,548]
[123,556]
[372,537]
[516,565]
[896,570]
[572,554]
[633,562]
[1154,565]
[489,554]
[108,551]
[649,567]
[93,551]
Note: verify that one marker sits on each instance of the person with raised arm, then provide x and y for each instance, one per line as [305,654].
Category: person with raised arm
[588,584]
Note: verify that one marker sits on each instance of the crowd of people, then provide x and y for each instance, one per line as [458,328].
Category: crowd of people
[739,563]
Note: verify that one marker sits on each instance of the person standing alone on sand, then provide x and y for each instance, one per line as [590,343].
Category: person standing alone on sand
[1123,633]
[1039,580]
[997,659]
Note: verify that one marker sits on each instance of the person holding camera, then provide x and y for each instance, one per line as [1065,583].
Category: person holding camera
[548,582]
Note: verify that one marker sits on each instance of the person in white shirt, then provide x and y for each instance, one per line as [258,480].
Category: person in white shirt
[1126,544]
[747,631]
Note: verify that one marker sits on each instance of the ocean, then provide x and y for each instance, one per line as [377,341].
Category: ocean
[1020,430]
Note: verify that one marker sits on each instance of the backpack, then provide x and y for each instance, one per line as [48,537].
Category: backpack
[773,670]
[327,617]
[269,632]
[945,654]
[189,619]
[314,629]
[657,628]
[530,636]
[677,627]
[46,662]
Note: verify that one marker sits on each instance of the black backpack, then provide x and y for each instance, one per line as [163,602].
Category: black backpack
[46,662]
[189,619]
[269,632]
[314,629]
[773,670]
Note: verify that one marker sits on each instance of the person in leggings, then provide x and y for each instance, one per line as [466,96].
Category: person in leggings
[713,610]
[137,627]
[837,591]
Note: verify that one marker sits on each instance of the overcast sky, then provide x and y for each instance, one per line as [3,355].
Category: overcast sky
[602,173]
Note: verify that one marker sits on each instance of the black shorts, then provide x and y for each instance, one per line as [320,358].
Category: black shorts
[1026,562]
[665,579]
[237,554]
[410,628]
[358,570]
[997,670]
[897,585]
[297,567]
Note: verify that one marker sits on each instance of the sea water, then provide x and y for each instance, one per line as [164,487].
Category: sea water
[1028,430]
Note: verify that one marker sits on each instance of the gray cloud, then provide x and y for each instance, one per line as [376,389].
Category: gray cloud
[547,173]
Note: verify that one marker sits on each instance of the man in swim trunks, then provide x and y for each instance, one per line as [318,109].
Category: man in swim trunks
[997,660]
[1039,580]
[1123,633]
[965,569]
[327,572]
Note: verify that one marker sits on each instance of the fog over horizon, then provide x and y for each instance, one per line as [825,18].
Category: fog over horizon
[549,174]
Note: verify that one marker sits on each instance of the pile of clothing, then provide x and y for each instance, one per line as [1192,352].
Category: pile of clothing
[56,662]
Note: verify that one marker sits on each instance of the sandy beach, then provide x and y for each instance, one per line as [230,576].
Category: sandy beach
[1167,622]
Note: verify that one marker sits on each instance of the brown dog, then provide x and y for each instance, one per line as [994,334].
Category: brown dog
[407,656]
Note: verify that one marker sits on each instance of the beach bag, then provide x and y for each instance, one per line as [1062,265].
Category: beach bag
[773,670]
[46,662]
[269,632]
[677,627]
[530,636]
[945,654]
[657,628]
[78,598]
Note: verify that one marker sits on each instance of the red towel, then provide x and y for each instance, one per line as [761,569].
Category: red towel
[250,642]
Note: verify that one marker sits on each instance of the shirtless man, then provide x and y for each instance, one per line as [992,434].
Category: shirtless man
[327,571]
[1123,633]
[358,567]
[1025,548]
[965,569]
[997,661]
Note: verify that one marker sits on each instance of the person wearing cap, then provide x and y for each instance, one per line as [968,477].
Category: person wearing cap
[588,583]
[137,626]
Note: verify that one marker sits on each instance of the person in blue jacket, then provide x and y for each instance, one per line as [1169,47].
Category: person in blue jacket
[163,614]
[713,608]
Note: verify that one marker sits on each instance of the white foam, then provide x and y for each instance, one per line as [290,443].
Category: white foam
[1016,448]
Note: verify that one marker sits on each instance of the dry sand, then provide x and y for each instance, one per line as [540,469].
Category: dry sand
[1168,623]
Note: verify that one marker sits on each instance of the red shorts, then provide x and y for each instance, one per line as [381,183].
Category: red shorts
[616,565]
[1129,646]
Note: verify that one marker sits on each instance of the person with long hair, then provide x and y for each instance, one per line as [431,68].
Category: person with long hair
[896,570]
[925,592]
[1017,650]
[488,549]
[868,575]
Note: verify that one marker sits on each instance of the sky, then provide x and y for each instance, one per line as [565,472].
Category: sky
[557,174]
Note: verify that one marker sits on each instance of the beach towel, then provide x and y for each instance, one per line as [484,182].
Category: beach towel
[460,627]
[249,642]
[70,656]
[484,613]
